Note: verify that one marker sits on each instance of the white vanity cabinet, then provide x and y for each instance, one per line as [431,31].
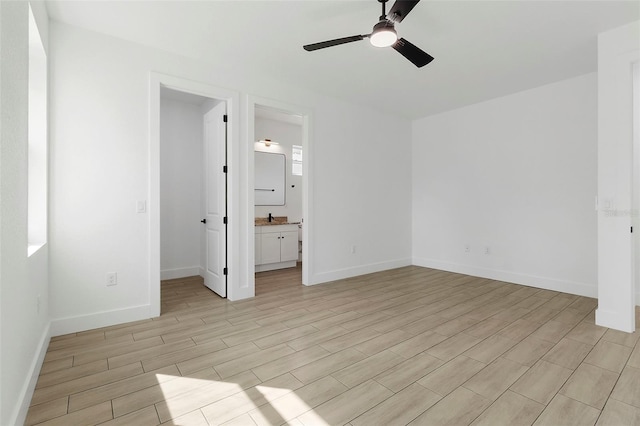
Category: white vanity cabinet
[276,247]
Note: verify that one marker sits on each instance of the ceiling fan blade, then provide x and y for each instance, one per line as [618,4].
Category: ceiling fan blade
[330,43]
[416,55]
[401,9]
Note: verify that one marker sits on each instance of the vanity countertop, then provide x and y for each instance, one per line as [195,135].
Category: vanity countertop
[275,220]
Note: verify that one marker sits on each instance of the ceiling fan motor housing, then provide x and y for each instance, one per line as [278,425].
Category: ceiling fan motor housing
[383,34]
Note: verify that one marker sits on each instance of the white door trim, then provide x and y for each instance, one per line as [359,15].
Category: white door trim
[232,98]
[307,179]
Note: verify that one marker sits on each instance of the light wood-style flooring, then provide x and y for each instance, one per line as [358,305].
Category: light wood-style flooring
[407,346]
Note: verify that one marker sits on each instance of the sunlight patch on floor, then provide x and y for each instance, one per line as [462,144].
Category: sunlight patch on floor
[185,394]
[284,405]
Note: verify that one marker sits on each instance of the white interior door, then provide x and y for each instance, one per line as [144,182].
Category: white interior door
[215,199]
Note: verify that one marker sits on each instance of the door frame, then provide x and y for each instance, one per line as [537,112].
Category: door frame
[307,179]
[635,185]
[232,99]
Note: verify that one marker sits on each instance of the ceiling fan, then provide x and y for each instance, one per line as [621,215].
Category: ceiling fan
[384,34]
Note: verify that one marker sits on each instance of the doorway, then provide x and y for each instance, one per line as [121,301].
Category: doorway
[279,140]
[235,244]
[193,188]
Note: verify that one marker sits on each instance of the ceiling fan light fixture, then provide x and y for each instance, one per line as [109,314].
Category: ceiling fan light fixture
[383,35]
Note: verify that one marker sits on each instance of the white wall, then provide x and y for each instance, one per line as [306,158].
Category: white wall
[24,332]
[287,135]
[180,188]
[516,174]
[100,168]
[618,49]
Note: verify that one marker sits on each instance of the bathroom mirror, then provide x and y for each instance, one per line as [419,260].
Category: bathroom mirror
[270,171]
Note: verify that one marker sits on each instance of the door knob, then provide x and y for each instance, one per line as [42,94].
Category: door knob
[204,221]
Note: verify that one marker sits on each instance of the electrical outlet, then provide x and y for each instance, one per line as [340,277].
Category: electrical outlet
[112,278]
[487,250]
[467,248]
[353,249]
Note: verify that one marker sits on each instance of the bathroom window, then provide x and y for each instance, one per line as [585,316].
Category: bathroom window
[37,173]
[296,160]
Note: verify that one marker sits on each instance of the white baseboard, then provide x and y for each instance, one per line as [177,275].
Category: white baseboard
[615,320]
[355,271]
[580,289]
[189,271]
[79,323]
[26,393]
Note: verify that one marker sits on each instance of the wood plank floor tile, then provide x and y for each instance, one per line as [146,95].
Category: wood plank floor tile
[519,329]
[368,368]
[89,416]
[60,364]
[570,316]
[214,390]
[349,339]
[47,411]
[620,337]
[166,388]
[627,389]
[104,393]
[83,383]
[451,375]
[137,354]
[510,409]
[285,336]
[400,408]
[348,405]
[61,376]
[453,346]
[609,355]
[552,331]
[165,358]
[146,416]
[542,381]
[122,349]
[587,333]
[634,359]
[591,385]
[286,408]
[491,348]
[241,403]
[408,345]
[194,418]
[460,407]
[382,342]
[247,362]
[286,363]
[529,351]
[568,353]
[486,328]
[209,359]
[495,378]
[328,365]
[618,413]
[566,411]
[407,372]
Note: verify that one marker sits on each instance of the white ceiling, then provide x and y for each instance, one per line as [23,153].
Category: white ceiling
[482,49]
